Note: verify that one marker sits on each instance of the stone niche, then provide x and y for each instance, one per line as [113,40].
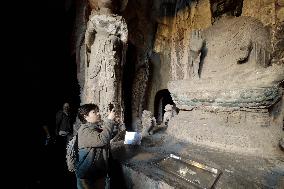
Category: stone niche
[230,95]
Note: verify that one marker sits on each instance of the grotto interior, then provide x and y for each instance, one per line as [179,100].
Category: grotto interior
[202,80]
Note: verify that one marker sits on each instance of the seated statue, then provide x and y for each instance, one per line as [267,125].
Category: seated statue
[230,65]
[230,94]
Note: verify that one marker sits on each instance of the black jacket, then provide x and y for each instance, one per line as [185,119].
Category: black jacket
[63,122]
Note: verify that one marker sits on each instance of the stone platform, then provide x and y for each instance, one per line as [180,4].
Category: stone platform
[246,132]
[237,171]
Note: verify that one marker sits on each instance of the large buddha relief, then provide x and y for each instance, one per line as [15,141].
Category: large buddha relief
[229,66]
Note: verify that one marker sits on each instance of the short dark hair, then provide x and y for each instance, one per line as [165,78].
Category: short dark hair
[85,109]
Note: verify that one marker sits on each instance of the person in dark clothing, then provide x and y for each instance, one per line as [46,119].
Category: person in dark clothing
[63,132]
[63,121]
[63,129]
[49,155]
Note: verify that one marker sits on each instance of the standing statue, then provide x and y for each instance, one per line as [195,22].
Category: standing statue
[170,112]
[148,123]
[195,46]
[106,43]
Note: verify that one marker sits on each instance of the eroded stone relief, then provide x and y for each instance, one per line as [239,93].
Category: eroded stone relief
[148,123]
[230,65]
[228,89]
[141,34]
[170,112]
[226,68]
[105,47]
[79,35]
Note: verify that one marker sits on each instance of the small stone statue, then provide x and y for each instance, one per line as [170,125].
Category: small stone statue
[148,123]
[170,113]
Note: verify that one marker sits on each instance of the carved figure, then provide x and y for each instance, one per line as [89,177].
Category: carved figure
[170,112]
[148,123]
[106,43]
[195,46]
[229,65]
[231,44]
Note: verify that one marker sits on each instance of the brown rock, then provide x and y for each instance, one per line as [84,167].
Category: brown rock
[280,14]
[281,2]
[281,144]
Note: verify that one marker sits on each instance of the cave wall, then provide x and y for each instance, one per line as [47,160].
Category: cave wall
[226,100]
[141,29]
[174,20]
[181,17]
[271,14]
[159,30]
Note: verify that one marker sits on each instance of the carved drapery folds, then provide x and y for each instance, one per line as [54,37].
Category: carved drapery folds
[105,48]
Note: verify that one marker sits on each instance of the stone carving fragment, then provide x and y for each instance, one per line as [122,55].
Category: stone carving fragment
[148,123]
[170,112]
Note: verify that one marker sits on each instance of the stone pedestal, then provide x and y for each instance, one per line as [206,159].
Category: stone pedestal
[252,132]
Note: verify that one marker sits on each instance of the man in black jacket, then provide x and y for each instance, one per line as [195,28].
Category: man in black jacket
[63,121]
[63,128]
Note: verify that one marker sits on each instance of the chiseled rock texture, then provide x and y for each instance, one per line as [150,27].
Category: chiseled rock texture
[222,61]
